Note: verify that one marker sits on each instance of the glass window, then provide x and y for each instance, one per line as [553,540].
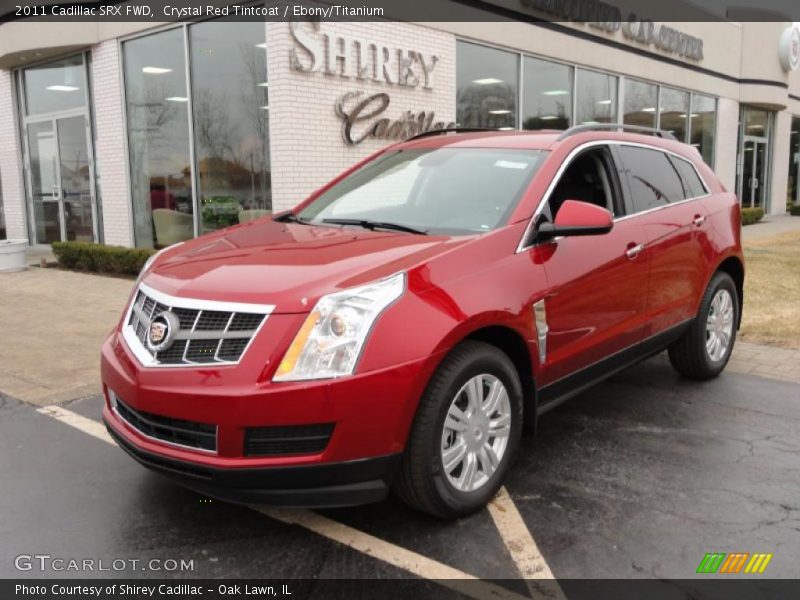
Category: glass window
[641,100]
[793,188]
[546,94]
[55,86]
[158,135]
[693,185]
[596,96]
[674,112]
[588,178]
[703,126]
[487,87]
[445,190]
[231,120]
[652,179]
[756,122]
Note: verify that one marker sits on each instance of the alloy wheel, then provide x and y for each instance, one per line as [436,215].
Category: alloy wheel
[719,325]
[476,432]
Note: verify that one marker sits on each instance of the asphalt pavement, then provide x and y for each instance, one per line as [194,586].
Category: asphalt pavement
[638,477]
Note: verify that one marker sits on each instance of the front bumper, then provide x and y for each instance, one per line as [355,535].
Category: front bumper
[372,413]
[327,485]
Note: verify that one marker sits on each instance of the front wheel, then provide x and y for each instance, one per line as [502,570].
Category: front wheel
[704,349]
[465,434]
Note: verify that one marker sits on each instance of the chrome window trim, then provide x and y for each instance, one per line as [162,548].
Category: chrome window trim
[521,247]
[114,398]
[149,361]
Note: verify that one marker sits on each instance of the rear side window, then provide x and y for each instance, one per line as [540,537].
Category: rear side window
[652,178]
[693,184]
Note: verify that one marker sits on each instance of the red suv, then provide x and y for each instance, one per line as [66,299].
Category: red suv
[401,326]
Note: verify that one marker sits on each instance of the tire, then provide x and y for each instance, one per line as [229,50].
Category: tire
[690,355]
[471,370]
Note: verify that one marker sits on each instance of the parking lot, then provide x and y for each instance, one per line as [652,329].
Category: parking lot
[636,478]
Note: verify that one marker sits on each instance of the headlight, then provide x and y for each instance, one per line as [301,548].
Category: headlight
[333,335]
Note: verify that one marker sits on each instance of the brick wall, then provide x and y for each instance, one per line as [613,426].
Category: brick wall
[306,144]
[110,151]
[13,189]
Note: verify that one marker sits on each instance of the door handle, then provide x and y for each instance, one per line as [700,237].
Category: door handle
[699,220]
[633,251]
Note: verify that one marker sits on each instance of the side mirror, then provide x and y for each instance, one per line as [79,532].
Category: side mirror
[577,218]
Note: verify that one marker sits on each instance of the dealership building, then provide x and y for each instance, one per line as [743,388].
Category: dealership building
[139,135]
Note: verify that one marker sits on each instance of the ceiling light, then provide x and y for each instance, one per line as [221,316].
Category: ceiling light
[264,107]
[500,111]
[155,70]
[684,115]
[604,101]
[649,109]
[549,117]
[755,127]
[263,84]
[178,99]
[262,45]
[555,93]
[505,128]
[590,123]
[487,81]
[62,88]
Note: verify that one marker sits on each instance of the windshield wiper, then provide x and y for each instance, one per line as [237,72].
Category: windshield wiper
[290,217]
[373,225]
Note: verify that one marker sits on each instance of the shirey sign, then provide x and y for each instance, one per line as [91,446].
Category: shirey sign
[363,115]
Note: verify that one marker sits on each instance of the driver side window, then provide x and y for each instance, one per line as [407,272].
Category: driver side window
[588,178]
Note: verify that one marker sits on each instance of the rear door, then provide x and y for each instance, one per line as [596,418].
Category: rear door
[662,191]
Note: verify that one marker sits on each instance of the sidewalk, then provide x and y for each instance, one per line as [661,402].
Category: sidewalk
[765,361]
[53,323]
[771,225]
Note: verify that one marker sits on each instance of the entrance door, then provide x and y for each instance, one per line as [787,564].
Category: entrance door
[754,172]
[60,179]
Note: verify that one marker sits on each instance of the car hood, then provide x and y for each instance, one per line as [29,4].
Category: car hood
[287,265]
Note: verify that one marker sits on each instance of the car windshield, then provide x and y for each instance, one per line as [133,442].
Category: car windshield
[451,191]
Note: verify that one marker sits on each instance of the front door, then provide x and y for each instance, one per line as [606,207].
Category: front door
[754,170]
[597,285]
[60,172]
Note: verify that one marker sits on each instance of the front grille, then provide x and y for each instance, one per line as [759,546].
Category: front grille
[167,429]
[287,439]
[205,336]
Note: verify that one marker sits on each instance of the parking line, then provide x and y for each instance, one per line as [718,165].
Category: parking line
[77,421]
[509,523]
[520,543]
[410,561]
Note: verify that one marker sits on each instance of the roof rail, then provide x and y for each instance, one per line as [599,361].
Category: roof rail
[620,126]
[432,132]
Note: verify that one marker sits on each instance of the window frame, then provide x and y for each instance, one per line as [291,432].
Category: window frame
[525,245]
[630,209]
[613,171]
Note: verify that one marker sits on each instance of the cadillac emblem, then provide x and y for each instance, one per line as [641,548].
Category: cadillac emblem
[161,333]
